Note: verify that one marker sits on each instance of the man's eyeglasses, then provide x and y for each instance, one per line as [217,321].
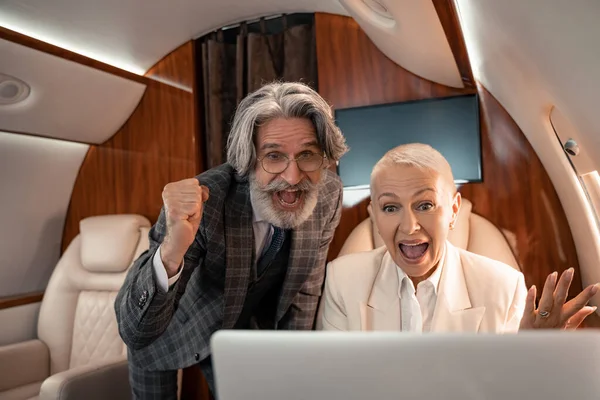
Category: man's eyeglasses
[276,163]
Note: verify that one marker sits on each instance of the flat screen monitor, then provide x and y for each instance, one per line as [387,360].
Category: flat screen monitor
[450,125]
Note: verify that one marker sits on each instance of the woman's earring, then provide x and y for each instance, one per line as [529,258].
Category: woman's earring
[451,225]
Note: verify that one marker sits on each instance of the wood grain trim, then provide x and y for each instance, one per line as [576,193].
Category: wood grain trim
[198,90]
[518,196]
[48,48]
[591,322]
[126,174]
[155,146]
[20,300]
[176,68]
[353,72]
[194,385]
[448,15]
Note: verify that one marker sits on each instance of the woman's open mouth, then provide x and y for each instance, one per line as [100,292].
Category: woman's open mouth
[413,252]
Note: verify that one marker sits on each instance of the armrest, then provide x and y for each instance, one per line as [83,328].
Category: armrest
[106,380]
[23,363]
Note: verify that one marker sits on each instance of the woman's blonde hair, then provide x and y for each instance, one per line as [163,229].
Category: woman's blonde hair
[417,155]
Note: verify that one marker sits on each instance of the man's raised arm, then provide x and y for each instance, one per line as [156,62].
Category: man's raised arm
[143,307]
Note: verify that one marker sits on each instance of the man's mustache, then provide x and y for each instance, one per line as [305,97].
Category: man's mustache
[280,184]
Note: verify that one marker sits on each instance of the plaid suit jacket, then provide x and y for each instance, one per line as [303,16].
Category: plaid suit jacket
[167,331]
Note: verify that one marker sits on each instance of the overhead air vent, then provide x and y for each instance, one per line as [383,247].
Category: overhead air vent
[379,8]
[12,90]
[571,147]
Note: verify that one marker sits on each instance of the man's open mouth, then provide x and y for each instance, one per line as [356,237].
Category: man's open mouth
[289,198]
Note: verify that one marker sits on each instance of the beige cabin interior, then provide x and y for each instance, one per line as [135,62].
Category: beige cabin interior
[104,103]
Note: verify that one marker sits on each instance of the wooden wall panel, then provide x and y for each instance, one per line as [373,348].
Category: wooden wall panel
[176,68]
[516,194]
[353,72]
[448,15]
[157,145]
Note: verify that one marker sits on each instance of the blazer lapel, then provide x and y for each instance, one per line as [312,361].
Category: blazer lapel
[382,310]
[453,310]
[239,250]
[303,255]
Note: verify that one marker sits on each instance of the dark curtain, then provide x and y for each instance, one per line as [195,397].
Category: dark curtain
[239,60]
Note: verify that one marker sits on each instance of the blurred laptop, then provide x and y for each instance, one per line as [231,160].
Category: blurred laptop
[293,365]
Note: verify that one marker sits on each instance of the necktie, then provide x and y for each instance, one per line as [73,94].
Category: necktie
[276,242]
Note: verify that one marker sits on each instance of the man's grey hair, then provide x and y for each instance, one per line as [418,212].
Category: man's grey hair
[418,155]
[281,100]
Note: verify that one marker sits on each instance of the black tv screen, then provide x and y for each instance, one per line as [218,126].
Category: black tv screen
[450,125]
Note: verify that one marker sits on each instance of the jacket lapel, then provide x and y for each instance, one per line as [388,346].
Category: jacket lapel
[239,250]
[303,255]
[453,310]
[382,310]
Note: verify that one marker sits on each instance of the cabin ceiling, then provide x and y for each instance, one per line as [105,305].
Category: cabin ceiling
[135,34]
[541,50]
[63,108]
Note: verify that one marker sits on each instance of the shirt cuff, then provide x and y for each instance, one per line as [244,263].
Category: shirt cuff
[161,273]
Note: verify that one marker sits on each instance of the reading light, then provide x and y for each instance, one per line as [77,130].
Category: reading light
[12,90]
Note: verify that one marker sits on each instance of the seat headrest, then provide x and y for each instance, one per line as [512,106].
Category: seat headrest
[109,242]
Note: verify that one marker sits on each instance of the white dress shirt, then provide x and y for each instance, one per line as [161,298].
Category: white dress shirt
[263,231]
[417,306]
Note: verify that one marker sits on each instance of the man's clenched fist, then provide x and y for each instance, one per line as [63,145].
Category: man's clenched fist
[183,203]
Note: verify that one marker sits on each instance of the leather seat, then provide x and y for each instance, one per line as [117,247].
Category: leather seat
[471,232]
[78,353]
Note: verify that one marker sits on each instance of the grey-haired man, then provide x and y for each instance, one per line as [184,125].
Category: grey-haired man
[242,245]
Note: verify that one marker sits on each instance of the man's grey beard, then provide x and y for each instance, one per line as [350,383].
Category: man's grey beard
[262,200]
